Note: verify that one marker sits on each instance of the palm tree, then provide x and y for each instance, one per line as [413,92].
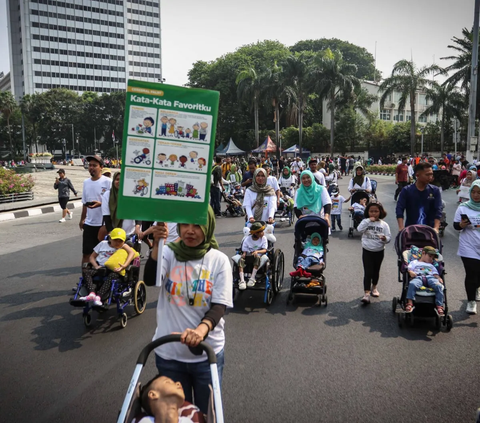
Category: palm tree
[463,62]
[336,83]
[447,100]
[297,76]
[7,107]
[249,86]
[407,80]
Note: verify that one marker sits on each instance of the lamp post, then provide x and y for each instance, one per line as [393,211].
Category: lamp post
[422,131]
[73,140]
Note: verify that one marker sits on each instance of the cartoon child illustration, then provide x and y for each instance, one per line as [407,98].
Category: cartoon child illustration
[171,130]
[195,131]
[141,157]
[201,162]
[148,123]
[180,133]
[203,130]
[164,121]
[172,158]
[193,155]
[183,160]
[161,158]
[141,187]
[188,131]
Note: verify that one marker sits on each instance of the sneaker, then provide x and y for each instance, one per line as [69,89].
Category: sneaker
[242,285]
[471,307]
[477,295]
[62,220]
[251,282]
[90,297]
[341,227]
[333,229]
[97,301]
[375,293]
[296,273]
[70,216]
[366,299]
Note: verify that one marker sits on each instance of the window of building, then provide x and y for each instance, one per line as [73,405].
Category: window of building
[385,114]
[398,117]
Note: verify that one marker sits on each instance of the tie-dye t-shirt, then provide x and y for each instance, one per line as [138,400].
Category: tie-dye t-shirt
[204,281]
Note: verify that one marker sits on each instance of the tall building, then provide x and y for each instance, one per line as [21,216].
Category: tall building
[82,45]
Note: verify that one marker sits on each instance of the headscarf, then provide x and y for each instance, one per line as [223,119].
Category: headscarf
[262,192]
[185,253]
[318,248]
[309,197]
[289,172]
[470,203]
[359,180]
[233,171]
[113,202]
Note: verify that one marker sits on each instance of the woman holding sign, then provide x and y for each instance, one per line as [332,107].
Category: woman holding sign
[260,200]
[195,290]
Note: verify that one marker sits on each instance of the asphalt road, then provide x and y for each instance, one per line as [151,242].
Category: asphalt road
[296,363]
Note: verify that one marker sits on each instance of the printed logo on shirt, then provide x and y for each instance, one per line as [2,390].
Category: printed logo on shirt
[199,286]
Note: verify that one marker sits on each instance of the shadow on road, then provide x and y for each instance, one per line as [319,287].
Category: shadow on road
[65,271]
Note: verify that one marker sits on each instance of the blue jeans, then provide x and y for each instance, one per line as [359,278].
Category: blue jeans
[306,262]
[336,218]
[215,200]
[431,282]
[194,377]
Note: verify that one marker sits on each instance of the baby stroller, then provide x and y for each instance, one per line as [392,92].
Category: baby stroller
[285,212]
[355,220]
[131,407]
[234,206]
[408,245]
[316,285]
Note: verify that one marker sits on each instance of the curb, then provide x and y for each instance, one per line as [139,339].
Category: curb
[36,211]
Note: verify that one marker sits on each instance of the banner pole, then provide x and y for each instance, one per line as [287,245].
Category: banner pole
[161,243]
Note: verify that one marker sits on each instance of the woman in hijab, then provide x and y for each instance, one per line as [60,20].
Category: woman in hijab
[467,221]
[287,180]
[195,290]
[260,200]
[234,176]
[359,181]
[109,211]
[463,191]
[312,198]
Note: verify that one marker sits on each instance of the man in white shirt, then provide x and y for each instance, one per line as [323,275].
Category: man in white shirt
[92,196]
[319,176]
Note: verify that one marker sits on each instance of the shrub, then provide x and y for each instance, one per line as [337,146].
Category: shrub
[381,168]
[11,183]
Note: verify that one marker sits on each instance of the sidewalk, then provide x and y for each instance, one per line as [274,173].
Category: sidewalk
[45,196]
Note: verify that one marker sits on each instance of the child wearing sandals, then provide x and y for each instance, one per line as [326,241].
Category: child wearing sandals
[375,234]
[423,272]
[311,254]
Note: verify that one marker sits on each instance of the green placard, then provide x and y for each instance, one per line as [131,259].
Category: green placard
[167,155]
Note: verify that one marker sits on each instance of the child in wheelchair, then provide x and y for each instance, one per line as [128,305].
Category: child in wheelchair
[255,244]
[98,261]
[312,254]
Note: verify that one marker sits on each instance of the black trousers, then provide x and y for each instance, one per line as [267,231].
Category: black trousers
[400,186]
[472,276]
[372,261]
[215,198]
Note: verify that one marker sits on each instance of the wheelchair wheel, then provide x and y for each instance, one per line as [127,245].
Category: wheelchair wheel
[87,320]
[123,320]
[278,271]
[269,296]
[140,297]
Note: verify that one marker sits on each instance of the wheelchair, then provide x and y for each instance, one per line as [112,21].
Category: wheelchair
[269,277]
[125,291]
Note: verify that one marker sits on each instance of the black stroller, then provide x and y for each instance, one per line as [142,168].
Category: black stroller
[355,219]
[131,407]
[234,206]
[418,236]
[316,285]
[285,212]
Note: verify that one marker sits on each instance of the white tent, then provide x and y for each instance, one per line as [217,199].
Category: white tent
[231,150]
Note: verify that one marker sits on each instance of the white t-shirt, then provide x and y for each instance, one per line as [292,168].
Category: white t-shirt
[469,239]
[128,225]
[272,181]
[249,245]
[286,182]
[104,251]
[172,232]
[372,231]
[269,205]
[320,177]
[325,200]
[209,280]
[93,191]
[367,186]
[337,204]
[357,207]
[422,269]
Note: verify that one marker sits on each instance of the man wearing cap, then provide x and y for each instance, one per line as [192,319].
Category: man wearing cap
[106,171]
[64,185]
[92,218]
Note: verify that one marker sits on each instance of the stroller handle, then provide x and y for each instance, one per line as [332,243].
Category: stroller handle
[142,358]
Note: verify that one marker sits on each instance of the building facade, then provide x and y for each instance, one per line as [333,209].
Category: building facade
[390,111]
[82,45]
[5,83]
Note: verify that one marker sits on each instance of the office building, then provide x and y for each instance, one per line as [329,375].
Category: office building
[82,45]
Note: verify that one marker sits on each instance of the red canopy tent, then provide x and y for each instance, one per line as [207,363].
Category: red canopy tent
[267,146]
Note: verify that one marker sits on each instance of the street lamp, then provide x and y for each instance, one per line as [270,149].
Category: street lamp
[422,130]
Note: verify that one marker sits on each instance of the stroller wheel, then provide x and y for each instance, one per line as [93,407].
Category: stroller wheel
[400,318]
[449,325]
[438,322]
[394,304]
[409,319]
[87,320]
[350,233]
[325,300]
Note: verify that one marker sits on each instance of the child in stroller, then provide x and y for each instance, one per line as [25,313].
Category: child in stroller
[285,209]
[358,210]
[234,207]
[423,272]
[312,254]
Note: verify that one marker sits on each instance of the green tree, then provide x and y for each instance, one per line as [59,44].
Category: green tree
[8,107]
[447,101]
[336,81]
[407,80]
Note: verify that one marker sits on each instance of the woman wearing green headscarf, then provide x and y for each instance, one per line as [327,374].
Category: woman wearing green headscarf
[195,289]
[467,221]
[287,180]
[234,176]
[312,198]
[260,201]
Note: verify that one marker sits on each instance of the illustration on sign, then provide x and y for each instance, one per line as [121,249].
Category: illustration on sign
[181,155]
[187,126]
[142,121]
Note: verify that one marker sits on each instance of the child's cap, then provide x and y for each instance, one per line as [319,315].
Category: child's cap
[430,250]
[118,233]
[257,227]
